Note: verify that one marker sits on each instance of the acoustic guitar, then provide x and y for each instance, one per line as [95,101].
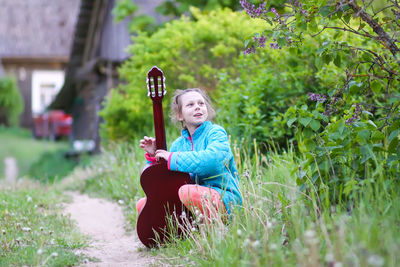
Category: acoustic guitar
[159,184]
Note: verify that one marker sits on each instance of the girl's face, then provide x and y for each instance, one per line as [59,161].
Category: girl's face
[194,109]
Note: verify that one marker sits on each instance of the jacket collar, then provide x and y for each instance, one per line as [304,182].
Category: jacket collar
[199,130]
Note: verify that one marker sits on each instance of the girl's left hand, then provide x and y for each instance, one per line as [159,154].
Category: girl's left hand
[162,154]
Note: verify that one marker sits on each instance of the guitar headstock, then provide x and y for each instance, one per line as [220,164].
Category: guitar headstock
[156,84]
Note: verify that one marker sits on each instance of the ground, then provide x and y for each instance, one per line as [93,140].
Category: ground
[104,223]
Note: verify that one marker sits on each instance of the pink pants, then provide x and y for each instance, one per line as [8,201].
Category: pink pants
[196,196]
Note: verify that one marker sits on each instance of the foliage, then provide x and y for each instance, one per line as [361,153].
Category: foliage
[33,232]
[137,23]
[253,99]
[11,103]
[179,7]
[355,124]
[191,54]
[170,9]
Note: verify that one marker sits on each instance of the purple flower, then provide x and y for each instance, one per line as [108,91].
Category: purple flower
[274,45]
[273,10]
[317,97]
[260,41]
[252,10]
[396,13]
[249,50]
[356,115]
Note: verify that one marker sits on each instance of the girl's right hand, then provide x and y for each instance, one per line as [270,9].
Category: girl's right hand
[149,145]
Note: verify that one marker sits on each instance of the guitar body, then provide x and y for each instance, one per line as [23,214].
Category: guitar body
[161,188]
[159,184]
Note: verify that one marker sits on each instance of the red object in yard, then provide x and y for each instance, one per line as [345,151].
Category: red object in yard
[52,124]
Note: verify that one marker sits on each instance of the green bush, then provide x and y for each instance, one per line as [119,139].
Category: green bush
[191,54]
[253,99]
[11,103]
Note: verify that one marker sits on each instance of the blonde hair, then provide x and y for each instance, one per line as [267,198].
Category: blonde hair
[176,104]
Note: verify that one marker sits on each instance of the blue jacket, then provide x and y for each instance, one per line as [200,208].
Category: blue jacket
[207,156]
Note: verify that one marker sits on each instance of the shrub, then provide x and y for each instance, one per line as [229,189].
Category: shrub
[253,99]
[191,53]
[353,125]
[11,103]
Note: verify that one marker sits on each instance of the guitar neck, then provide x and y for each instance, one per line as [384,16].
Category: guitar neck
[159,128]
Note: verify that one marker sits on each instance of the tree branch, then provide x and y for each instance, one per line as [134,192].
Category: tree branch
[383,36]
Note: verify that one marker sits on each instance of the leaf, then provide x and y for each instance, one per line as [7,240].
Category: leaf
[366,153]
[364,134]
[325,10]
[377,136]
[291,121]
[338,60]
[315,125]
[281,41]
[246,43]
[393,141]
[326,58]
[305,121]
[393,134]
[347,18]
[376,86]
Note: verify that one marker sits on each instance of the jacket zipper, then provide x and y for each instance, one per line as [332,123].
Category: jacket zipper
[191,141]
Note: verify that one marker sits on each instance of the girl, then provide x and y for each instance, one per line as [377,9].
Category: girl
[203,150]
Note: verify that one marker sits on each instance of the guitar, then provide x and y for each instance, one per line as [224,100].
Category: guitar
[159,184]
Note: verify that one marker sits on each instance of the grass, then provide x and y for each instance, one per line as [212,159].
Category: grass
[18,143]
[33,233]
[278,225]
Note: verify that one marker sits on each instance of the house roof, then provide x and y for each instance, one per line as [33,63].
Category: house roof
[37,28]
[98,40]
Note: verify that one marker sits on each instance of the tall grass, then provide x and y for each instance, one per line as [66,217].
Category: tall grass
[277,225]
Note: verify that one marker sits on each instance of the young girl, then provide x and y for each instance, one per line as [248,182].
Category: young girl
[204,152]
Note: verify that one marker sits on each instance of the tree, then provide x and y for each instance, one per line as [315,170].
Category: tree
[350,135]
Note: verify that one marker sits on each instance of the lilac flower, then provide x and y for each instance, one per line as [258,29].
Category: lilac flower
[249,50]
[260,41]
[274,45]
[321,98]
[329,109]
[252,10]
[273,10]
[396,13]
[356,115]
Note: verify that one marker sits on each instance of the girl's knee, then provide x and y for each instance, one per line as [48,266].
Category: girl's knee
[140,204]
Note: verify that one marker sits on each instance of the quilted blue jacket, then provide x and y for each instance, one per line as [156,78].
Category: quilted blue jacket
[208,158]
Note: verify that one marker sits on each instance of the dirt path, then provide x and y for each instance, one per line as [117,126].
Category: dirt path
[104,222]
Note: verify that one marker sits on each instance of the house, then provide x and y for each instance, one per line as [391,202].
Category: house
[35,42]
[99,47]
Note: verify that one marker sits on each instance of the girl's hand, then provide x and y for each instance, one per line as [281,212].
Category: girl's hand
[149,145]
[162,154]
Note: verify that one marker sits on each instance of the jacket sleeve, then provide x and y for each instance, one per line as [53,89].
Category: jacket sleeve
[207,162]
